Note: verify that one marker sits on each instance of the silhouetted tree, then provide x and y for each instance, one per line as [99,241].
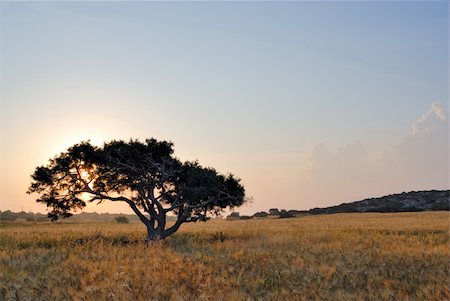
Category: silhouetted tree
[145,175]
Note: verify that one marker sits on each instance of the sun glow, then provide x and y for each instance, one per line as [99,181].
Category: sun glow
[63,143]
[85,175]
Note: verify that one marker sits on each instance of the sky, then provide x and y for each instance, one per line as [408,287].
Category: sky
[311,104]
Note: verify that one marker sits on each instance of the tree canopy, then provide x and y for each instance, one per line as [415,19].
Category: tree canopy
[145,175]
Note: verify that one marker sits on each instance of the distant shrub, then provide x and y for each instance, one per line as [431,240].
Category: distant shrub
[285,214]
[274,211]
[122,220]
[244,217]
[30,219]
[297,212]
[261,214]
[233,215]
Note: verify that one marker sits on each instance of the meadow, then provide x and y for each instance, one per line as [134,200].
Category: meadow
[363,256]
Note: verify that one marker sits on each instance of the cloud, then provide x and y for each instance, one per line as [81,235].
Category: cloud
[418,161]
[433,119]
[422,155]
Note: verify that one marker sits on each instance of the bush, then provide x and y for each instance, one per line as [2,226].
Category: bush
[233,215]
[122,220]
[274,211]
[245,217]
[261,214]
[285,214]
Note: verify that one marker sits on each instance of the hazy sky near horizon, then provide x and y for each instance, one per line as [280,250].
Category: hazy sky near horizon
[309,103]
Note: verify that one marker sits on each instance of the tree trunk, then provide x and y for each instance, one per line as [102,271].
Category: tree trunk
[156,227]
[153,234]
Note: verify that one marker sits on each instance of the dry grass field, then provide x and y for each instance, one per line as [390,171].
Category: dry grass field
[400,256]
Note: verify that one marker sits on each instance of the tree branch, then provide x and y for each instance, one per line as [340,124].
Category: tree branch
[206,203]
[181,219]
[100,197]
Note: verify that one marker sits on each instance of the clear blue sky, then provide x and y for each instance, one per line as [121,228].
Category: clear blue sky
[253,88]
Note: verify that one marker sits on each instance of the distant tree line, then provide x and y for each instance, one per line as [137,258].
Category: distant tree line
[8,215]
[274,213]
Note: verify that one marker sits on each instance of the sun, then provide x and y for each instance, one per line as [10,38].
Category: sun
[63,142]
[85,175]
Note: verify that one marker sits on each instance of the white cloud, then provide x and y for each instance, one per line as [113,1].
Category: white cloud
[418,161]
[433,119]
[422,155]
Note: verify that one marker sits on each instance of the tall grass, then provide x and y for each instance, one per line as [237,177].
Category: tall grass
[402,256]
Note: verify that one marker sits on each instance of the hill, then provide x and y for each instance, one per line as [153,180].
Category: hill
[432,200]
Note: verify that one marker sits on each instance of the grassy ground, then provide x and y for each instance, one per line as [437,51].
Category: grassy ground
[400,256]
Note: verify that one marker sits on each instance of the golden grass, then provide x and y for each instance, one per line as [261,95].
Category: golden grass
[401,256]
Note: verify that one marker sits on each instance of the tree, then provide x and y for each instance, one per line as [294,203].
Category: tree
[145,175]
